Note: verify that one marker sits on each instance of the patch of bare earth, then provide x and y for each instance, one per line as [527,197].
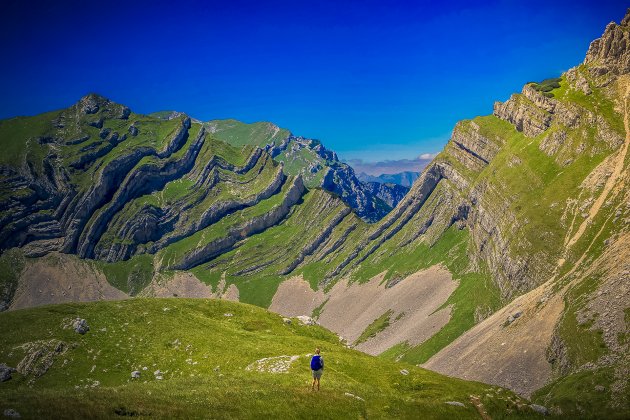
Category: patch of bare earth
[187,285]
[182,285]
[296,297]
[413,303]
[61,278]
[511,355]
[231,293]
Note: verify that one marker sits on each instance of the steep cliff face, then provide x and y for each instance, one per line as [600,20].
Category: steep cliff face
[519,172]
[391,194]
[551,212]
[609,54]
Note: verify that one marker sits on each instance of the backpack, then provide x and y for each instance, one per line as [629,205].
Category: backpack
[316,363]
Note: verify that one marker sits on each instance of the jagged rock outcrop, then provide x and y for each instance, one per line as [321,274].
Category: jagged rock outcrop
[337,177]
[609,54]
[471,148]
[342,181]
[524,115]
[145,179]
[391,194]
[533,113]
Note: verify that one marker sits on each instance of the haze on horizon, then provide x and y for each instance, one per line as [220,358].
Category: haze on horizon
[374,81]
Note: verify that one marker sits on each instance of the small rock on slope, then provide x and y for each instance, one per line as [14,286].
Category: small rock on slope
[306,320]
[9,412]
[540,409]
[5,372]
[80,326]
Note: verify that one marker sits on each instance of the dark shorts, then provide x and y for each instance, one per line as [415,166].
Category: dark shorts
[318,373]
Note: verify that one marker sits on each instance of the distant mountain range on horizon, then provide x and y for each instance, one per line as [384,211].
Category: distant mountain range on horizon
[405,178]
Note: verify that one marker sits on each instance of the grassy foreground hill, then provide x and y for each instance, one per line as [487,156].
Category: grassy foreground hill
[210,357]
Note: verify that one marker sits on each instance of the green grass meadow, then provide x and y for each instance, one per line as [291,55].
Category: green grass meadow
[203,349]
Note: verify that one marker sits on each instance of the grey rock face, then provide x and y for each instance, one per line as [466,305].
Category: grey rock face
[138,182]
[9,412]
[539,409]
[552,143]
[5,372]
[135,374]
[339,178]
[80,326]
[524,115]
[610,53]
[391,194]
[533,113]
[40,356]
[473,149]
[577,80]
[93,103]
[317,241]
[89,104]
[455,403]
[557,355]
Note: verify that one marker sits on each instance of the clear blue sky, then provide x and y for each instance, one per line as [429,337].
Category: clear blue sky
[372,80]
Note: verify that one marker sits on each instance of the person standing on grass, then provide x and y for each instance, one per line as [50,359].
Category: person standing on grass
[317,366]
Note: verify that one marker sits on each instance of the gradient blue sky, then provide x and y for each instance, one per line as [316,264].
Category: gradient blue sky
[372,80]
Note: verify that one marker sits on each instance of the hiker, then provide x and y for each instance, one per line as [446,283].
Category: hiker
[317,366]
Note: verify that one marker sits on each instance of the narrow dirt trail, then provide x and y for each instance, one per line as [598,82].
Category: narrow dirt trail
[612,180]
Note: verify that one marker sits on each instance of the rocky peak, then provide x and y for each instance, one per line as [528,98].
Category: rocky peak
[89,104]
[611,52]
[92,103]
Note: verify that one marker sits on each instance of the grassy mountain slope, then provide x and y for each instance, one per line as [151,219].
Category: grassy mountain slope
[318,166]
[192,343]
